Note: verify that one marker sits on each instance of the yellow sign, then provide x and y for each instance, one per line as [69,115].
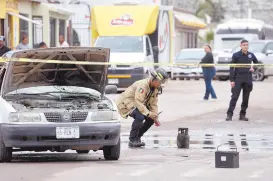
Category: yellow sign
[2,9]
[124,20]
[12,4]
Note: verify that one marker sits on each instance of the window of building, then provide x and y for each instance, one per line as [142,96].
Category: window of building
[62,27]
[23,27]
[37,31]
[2,25]
[52,32]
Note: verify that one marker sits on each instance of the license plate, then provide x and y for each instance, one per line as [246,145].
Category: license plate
[112,81]
[67,132]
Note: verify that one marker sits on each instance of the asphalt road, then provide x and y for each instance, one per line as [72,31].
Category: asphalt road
[161,160]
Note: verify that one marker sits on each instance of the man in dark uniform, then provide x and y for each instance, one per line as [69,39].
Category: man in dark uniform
[241,78]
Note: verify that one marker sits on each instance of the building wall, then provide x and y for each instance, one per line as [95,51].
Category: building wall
[42,10]
[239,9]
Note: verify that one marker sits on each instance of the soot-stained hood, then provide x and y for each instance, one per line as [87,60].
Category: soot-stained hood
[29,74]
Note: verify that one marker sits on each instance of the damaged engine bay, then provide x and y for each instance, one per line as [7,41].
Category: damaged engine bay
[58,105]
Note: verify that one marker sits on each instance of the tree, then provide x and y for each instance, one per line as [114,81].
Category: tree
[213,9]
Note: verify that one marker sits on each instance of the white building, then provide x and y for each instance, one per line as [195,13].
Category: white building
[52,18]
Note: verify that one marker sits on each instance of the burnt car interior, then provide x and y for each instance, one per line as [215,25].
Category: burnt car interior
[26,74]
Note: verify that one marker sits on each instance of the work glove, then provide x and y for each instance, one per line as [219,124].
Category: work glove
[153,115]
[157,123]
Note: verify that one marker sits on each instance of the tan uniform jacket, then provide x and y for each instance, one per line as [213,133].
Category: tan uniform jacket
[135,96]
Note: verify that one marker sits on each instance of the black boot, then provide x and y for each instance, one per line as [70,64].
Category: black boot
[134,144]
[243,118]
[141,142]
[229,118]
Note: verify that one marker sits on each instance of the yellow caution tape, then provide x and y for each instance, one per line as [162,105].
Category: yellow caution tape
[129,63]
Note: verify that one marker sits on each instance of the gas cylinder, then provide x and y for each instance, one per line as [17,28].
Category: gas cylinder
[183,138]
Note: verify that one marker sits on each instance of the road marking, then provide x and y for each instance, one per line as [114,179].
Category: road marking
[257,174]
[194,172]
[144,171]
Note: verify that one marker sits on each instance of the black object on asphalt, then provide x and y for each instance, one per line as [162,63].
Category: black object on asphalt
[226,159]
[183,138]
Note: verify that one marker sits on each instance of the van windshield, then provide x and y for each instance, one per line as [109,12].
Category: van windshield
[130,44]
[229,43]
[255,47]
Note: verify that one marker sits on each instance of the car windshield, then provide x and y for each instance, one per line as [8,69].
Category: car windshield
[186,55]
[255,47]
[130,44]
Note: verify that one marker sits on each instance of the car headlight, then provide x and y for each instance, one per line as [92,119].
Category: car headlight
[24,117]
[105,116]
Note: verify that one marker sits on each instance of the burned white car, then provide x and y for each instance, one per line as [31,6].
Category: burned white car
[58,106]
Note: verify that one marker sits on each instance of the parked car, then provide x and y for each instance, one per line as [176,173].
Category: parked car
[188,56]
[56,107]
[261,48]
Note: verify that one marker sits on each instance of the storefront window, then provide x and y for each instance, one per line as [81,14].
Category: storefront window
[2,25]
[52,32]
[37,32]
[23,27]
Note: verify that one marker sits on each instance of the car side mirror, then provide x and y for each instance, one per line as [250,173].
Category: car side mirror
[269,52]
[111,89]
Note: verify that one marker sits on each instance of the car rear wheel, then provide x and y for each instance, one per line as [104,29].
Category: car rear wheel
[5,152]
[112,152]
[82,151]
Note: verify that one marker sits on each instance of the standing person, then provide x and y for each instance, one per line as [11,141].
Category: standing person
[62,42]
[24,43]
[3,48]
[139,101]
[208,73]
[241,78]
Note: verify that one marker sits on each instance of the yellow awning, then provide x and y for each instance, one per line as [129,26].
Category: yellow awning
[57,8]
[24,18]
[189,20]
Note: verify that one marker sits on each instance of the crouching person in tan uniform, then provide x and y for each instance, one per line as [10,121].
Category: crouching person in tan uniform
[139,101]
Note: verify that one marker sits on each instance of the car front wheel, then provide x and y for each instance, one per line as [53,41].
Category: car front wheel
[5,152]
[112,152]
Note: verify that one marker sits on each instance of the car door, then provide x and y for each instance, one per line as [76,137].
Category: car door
[268,60]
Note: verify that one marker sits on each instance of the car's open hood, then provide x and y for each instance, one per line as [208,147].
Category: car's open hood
[27,74]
